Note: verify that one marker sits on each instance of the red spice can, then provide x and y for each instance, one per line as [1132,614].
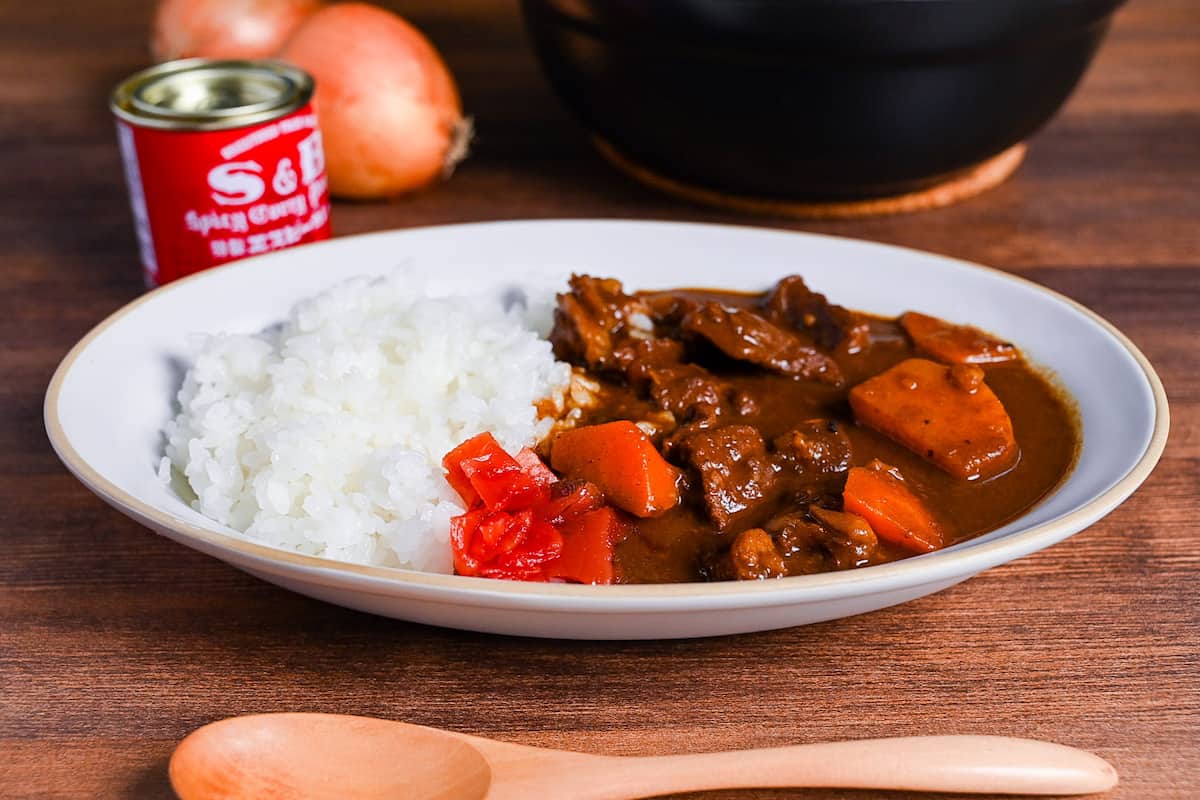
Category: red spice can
[223,160]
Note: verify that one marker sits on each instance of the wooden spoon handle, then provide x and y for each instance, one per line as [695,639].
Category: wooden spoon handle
[975,764]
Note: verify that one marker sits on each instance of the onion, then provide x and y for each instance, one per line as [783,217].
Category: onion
[389,110]
[226,28]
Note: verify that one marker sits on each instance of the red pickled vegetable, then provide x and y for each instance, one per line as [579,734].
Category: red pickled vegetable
[587,551]
[524,523]
[535,467]
[570,499]
[499,544]
[481,471]
[475,447]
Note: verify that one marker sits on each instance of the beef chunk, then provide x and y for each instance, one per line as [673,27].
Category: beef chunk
[798,541]
[689,392]
[577,336]
[746,336]
[819,540]
[735,473]
[754,556]
[848,538]
[594,318]
[817,446]
[833,327]
[668,311]
[639,359]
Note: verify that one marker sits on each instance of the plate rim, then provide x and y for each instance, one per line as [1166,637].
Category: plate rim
[942,565]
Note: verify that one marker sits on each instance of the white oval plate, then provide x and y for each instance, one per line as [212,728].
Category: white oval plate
[107,403]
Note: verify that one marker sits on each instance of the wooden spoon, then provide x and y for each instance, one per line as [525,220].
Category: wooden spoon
[319,756]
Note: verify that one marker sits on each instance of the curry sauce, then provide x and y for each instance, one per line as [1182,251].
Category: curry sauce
[762,431]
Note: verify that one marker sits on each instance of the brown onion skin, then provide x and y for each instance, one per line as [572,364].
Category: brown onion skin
[226,28]
[389,109]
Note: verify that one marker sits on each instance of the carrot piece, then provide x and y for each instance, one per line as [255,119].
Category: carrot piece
[878,494]
[945,414]
[620,459]
[956,344]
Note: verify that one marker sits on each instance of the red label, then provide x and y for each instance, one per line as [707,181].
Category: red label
[202,198]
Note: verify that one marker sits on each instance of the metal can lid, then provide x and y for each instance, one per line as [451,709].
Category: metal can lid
[203,94]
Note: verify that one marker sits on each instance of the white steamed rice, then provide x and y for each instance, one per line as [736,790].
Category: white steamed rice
[325,435]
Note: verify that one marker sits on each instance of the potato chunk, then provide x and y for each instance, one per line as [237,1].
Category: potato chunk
[946,414]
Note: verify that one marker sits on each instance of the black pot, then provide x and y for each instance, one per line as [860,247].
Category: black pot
[814,99]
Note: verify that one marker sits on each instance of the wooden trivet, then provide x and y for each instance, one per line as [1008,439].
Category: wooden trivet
[979,179]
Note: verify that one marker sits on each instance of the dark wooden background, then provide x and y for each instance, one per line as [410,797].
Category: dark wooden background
[115,643]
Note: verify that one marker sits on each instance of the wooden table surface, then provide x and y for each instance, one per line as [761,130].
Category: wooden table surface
[115,643]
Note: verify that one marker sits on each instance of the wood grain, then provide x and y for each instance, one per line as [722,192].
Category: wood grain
[115,643]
